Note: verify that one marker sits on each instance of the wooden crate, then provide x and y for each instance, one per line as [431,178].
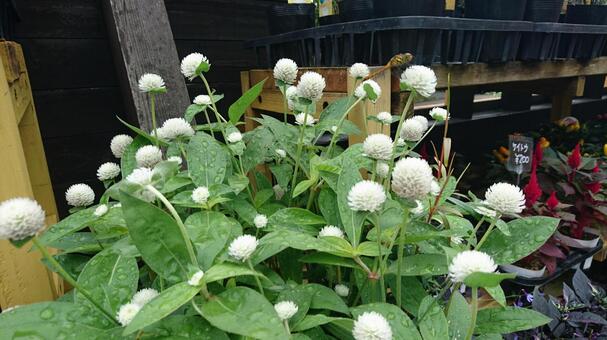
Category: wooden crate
[23,173]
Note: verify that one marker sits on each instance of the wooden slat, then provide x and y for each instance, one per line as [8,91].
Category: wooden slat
[335,77]
[272,100]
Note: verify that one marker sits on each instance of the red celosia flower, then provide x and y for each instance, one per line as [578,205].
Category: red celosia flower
[552,201]
[538,154]
[575,159]
[594,187]
[532,190]
[596,168]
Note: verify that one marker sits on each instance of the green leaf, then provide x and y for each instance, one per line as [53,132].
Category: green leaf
[433,323]
[302,186]
[370,92]
[526,235]
[283,173]
[238,182]
[110,278]
[412,295]
[401,324]
[497,293]
[239,107]
[210,232]
[458,316]
[422,264]
[326,298]
[207,160]
[327,202]
[260,144]
[71,224]
[351,220]
[157,237]
[241,310]
[311,321]
[301,295]
[262,197]
[140,132]
[480,279]
[295,216]
[184,327]
[329,259]
[508,320]
[227,270]
[168,301]
[503,227]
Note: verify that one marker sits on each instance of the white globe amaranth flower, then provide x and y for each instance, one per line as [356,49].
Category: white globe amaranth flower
[342,290]
[457,240]
[285,309]
[175,159]
[291,92]
[378,146]
[412,130]
[484,211]
[505,198]
[190,64]
[201,195]
[371,326]
[334,128]
[412,178]
[196,279]
[260,221]
[384,117]
[80,195]
[107,171]
[422,120]
[310,86]
[359,71]
[331,230]
[174,128]
[148,155]
[419,209]
[234,137]
[382,169]
[303,118]
[144,296]
[127,313]
[243,247]
[279,192]
[420,78]
[101,210]
[439,114]
[361,93]
[286,70]
[20,218]
[203,99]
[143,178]
[119,144]
[281,153]
[366,196]
[435,189]
[468,262]
[400,142]
[151,82]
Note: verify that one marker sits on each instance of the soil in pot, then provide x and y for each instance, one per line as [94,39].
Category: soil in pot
[290,17]
[397,8]
[355,10]
[543,10]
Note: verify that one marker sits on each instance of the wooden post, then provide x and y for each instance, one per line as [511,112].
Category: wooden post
[23,278]
[450,5]
[562,99]
[142,42]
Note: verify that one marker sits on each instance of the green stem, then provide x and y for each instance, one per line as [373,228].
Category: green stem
[153,110]
[67,277]
[474,313]
[403,117]
[259,286]
[245,175]
[218,116]
[489,230]
[380,271]
[339,124]
[206,116]
[286,323]
[182,229]
[399,259]
[366,132]
[299,150]
[285,102]
[311,198]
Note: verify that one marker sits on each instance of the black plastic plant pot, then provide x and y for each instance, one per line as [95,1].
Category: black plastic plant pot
[588,46]
[543,10]
[397,8]
[355,10]
[290,17]
[540,46]
[586,14]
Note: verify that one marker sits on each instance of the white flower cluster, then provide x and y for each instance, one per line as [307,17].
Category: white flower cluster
[385,117]
[414,128]
[196,278]
[80,195]
[505,198]
[203,99]
[412,178]
[420,78]
[304,119]
[342,290]
[371,326]
[310,86]
[108,171]
[285,309]
[174,128]
[148,155]
[382,169]
[243,247]
[143,178]
[468,262]
[128,311]
[286,70]
[360,91]
[234,137]
[331,230]
[366,196]
[190,64]
[359,71]
[201,195]
[20,218]
[119,144]
[101,210]
[378,146]
[260,221]
[151,82]
[439,114]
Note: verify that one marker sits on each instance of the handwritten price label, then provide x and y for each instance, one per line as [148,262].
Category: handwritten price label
[521,153]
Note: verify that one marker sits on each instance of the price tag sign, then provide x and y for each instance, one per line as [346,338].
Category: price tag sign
[521,153]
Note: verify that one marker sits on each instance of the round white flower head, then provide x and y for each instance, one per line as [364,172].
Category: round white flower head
[419,209]
[371,326]
[151,82]
[144,296]
[378,146]
[439,114]
[285,70]
[279,192]
[119,143]
[142,177]
[80,195]
[412,178]
[382,169]
[20,218]
[243,247]
[331,230]
[291,92]
[366,196]
[342,290]
[385,117]
[190,64]
[202,99]
[435,189]
[457,240]
[281,153]
[422,120]
[196,279]
[359,71]
[174,128]
[505,198]
[108,171]
[127,313]
[260,221]
[148,156]
[412,130]
[286,309]
[334,128]
[302,118]
[400,142]
[117,205]
[420,78]
[310,86]
[234,137]
[468,262]
[101,210]
[175,159]
[485,211]
[361,93]
[201,195]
